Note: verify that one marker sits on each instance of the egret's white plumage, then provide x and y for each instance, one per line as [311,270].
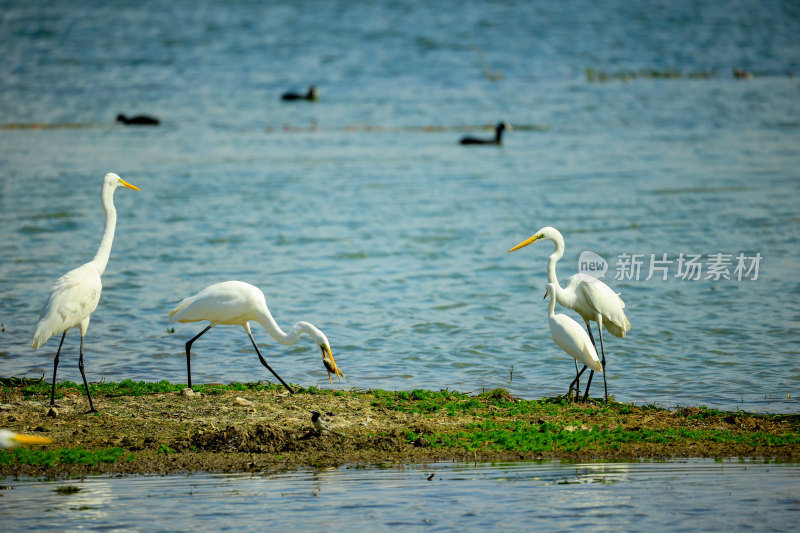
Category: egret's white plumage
[236,303]
[570,336]
[75,295]
[9,439]
[73,298]
[592,299]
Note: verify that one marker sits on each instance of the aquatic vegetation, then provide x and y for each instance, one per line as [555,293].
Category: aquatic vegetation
[699,413]
[422,401]
[34,388]
[601,76]
[62,456]
[145,427]
[523,436]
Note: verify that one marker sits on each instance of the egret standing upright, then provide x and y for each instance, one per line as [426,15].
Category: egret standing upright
[75,295]
[236,303]
[569,335]
[589,297]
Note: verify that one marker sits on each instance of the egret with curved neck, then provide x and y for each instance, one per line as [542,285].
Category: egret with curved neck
[75,295]
[571,338]
[236,303]
[592,299]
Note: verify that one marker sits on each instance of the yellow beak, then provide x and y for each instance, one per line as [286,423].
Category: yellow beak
[330,364]
[526,242]
[31,439]
[128,185]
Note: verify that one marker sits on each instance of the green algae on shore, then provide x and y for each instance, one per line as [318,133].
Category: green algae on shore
[147,427]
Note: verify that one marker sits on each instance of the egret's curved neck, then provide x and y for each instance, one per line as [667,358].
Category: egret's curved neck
[104,250]
[553,259]
[564,297]
[268,323]
[551,307]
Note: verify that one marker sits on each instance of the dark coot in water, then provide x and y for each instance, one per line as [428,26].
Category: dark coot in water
[312,95]
[138,120]
[498,136]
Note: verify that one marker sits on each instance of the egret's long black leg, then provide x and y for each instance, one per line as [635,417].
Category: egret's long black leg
[55,367]
[591,374]
[264,362]
[188,351]
[85,383]
[603,362]
[577,380]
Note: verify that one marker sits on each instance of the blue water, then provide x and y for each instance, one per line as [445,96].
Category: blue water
[362,214]
[679,496]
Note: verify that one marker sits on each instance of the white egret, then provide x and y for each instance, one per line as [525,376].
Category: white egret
[74,296]
[235,303]
[9,439]
[587,296]
[569,335]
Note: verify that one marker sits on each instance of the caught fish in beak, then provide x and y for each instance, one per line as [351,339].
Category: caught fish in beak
[330,364]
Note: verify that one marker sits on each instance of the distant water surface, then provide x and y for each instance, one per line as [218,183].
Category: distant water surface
[362,214]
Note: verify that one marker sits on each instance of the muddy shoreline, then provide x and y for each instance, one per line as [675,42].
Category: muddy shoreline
[146,428]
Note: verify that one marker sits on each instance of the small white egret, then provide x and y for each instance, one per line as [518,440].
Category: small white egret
[74,296]
[569,335]
[587,296]
[9,439]
[235,303]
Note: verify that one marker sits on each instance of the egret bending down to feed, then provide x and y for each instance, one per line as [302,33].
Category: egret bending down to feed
[235,303]
[9,439]
[587,296]
[74,296]
[570,336]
